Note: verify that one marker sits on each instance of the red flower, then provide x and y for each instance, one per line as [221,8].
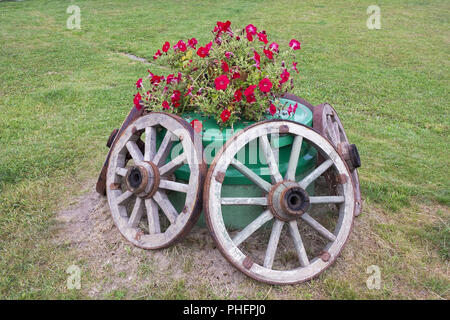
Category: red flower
[236,75]
[294,64]
[250,29]
[274,47]
[257,58]
[238,95]
[192,43]
[250,90]
[208,46]
[265,85]
[222,26]
[170,78]
[294,44]
[165,104]
[139,83]
[249,37]
[228,54]
[181,45]
[175,98]
[189,91]
[202,52]
[166,47]
[250,93]
[225,115]
[272,109]
[268,54]
[284,76]
[225,67]
[262,37]
[157,54]
[137,101]
[221,82]
[197,125]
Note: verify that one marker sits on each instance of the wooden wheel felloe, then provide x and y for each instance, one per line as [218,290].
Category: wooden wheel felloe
[327,122]
[138,189]
[285,204]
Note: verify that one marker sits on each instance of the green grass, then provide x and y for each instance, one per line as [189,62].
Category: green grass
[63,91]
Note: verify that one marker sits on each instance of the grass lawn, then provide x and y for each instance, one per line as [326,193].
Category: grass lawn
[62,91]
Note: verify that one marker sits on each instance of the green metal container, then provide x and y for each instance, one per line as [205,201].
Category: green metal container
[236,184]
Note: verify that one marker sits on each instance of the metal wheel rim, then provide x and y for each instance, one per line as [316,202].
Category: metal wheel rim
[228,247]
[149,207]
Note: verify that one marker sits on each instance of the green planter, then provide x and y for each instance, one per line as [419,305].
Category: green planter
[235,184]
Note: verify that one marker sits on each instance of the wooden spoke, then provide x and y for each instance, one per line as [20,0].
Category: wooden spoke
[174,186]
[163,150]
[166,206]
[152,216]
[263,184]
[150,143]
[121,172]
[244,201]
[252,227]
[293,160]
[323,199]
[173,164]
[136,214]
[298,243]
[306,181]
[124,196]
[273,243]
[134,151]
[270,158]
[318,227]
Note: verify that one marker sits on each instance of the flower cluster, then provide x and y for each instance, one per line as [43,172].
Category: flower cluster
[237,75]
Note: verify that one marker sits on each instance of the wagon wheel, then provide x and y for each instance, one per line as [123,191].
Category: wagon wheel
[327,122]
[284,201]
[138,189]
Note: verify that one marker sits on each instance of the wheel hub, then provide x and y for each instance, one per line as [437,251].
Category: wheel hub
[350,154]
[142,179]
[287,201]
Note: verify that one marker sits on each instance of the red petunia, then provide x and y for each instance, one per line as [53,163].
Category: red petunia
[197,125]
[265,85]
[225,67]
[189,93]
[139,83]
[249,37]
[274,47]
[238,95]
[251,29]
[262,37]
[202,52]
[192,43]
[225,115]
[272,109]
[294,44]
[257,59]
[268,53]
[181,45]
[221,82]
[166,47]
[250,93]
[228,54]
[137,101]
[157,54]
[236,75]
[284,76]
[294,66]
[208,46]
[165,104]
[175,98]
[222,26]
